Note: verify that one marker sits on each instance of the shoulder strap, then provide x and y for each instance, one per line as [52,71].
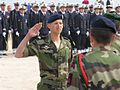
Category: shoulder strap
[82,69]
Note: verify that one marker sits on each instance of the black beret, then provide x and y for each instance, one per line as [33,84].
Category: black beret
[54,17]
[101,22]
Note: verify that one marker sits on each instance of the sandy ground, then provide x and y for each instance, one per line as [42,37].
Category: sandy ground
[19,74]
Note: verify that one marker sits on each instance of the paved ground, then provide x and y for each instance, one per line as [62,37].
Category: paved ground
[18,74]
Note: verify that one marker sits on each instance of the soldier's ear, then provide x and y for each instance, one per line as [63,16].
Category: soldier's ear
[48,25]
[92,40]
[114,37]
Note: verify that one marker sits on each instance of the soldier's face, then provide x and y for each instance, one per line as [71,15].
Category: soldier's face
[52,8]
[56,26]
[22,11]
[3,8]
[71,9]
[81,10]
[9,8]
[16,7]
[44,9]
[101,11]
[91,9]
[76,8]
[118,9]
[97,10]
[109,9]
[36,9]
[63,9]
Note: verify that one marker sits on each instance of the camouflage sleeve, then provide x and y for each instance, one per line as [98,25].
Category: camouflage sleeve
[70,58]
[31,49]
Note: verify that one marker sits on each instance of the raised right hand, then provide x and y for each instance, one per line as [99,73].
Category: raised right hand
[34,31]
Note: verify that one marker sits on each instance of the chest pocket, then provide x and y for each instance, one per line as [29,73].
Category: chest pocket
[47,56]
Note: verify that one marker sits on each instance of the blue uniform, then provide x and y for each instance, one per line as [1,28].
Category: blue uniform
[22,26]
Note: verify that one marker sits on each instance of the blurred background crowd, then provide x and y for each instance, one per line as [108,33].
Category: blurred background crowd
[17,18]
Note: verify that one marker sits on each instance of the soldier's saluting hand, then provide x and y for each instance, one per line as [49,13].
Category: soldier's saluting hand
[34,31]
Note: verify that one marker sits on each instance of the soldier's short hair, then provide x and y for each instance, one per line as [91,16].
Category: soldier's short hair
[102,36]
[103,29]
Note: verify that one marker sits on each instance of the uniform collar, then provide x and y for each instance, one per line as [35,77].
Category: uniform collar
[103,48]
[62,44]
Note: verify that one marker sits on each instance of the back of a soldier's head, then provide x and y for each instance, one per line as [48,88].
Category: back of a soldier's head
[103,31]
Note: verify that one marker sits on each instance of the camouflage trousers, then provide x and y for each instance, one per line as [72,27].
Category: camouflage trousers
[50,85]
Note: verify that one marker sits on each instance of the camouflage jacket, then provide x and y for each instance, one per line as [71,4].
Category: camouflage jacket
[102,68]
[116,45]
[53,62]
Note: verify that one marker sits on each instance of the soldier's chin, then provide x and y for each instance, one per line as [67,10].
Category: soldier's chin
[60,30]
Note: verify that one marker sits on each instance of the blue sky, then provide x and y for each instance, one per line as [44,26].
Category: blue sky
[56,1]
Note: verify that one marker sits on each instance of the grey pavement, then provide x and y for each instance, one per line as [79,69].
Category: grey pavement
[19,74]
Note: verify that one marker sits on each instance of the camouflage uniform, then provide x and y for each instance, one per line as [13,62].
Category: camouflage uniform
[116,45]
[102,67]
[54,63]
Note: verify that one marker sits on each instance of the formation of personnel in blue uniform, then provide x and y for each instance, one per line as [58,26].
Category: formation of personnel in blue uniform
[77,21]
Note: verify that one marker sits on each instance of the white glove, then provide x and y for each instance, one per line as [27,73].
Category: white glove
[87,33]
[9,31]
[78,32]
[4,34]
[17,33]
[68,32]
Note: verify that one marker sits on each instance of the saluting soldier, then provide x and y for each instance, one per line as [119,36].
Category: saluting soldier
[22,23]
[13,18]
[66,29]
[44,15]
[53,52]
